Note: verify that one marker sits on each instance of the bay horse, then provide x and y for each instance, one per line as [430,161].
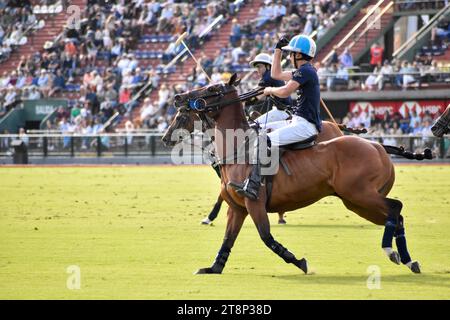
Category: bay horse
[358,171]
[185,120]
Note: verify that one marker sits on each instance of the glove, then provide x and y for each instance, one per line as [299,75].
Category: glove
[282,43]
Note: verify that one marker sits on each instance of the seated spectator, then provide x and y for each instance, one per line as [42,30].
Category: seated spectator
[339,79]
[125,98]
[70,49]
[216,76]
[265,14]
[235,35]
[279,11]
[219,59]
[346,59]
[385,75]
[58,84]
[148,110]
[163,96]
[321,72]
[415,119]
[34,93]
[44,82]
[165,17]
[417,129]
[92,99]
[11,97]
[5,51]
[5,79]
[87,79]
[408,71]
[372,79]
[91,53]
[96,81]
[236,53]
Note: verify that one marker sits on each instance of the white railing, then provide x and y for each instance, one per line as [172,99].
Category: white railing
[150,144]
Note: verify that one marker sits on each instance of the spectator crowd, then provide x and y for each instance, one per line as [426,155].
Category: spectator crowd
[110,31]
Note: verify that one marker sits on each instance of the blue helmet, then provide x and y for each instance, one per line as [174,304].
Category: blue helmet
[303,44]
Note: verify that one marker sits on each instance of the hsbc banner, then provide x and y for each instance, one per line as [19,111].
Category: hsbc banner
[403,107]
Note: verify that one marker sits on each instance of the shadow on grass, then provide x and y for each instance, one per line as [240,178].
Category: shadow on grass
[329,226]
[429,280]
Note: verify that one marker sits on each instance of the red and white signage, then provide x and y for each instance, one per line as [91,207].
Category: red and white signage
[403,107]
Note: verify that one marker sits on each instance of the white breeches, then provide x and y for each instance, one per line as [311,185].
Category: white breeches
[290,131]
[272,116]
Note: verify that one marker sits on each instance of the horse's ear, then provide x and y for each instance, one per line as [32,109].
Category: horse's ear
[237,82]
[232,79]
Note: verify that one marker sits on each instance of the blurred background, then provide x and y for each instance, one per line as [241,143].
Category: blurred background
[93,81]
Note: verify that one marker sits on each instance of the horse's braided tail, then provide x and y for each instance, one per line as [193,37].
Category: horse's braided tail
[400,151]
[344,128]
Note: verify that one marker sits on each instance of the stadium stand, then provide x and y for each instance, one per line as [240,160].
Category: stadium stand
[115,60]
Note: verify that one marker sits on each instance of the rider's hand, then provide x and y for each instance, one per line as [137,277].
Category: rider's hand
[282,43]
[268,91]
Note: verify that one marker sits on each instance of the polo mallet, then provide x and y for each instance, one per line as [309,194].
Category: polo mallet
[328,111]
[181,40]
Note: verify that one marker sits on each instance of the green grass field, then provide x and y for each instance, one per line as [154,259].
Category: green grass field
[134,232]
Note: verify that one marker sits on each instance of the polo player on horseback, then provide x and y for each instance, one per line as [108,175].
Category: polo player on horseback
[280,106]
[305,122]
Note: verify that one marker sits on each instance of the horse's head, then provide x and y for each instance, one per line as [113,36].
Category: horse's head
[181,126]
[201,104]
[208,100]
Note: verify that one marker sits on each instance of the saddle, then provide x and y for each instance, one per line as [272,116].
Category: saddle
[305,144]
[301,145]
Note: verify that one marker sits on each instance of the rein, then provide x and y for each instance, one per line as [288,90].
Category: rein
[200,104]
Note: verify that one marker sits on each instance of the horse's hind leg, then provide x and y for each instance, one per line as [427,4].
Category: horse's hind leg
[393,221]
[395,228]
[214,212]
[235,220]
[400,241]
[281,218]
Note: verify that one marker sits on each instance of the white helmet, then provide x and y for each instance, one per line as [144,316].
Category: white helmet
[261,58]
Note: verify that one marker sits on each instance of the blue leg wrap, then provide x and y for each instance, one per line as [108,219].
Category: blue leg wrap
[389,231]
[400,241]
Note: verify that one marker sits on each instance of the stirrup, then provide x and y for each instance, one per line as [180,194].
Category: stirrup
[240,190]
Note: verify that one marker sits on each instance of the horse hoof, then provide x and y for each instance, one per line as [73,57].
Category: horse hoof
[395,257]
[302,264]
[415,267]
[206,222]
[281,221]
[206,271]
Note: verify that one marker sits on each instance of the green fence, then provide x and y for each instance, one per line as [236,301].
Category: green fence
[30,110]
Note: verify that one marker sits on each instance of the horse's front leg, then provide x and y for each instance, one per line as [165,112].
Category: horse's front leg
[258,212]
[235,221]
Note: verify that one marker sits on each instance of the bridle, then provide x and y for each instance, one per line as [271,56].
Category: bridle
[201,103]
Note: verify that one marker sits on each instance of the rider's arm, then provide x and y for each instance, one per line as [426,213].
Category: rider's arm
[284,91]
[276,72]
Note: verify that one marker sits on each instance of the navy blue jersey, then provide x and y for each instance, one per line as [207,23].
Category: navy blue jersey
[268,81]
[308,101]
